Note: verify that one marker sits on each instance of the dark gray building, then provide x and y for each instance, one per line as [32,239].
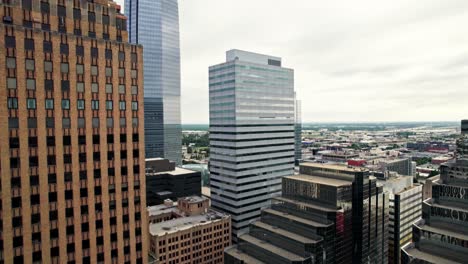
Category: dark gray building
[166,181]
[442,235]
[326,214]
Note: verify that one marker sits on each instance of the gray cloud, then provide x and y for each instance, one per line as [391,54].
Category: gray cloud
[354,60]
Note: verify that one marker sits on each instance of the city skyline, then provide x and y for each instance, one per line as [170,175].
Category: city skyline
[377,62]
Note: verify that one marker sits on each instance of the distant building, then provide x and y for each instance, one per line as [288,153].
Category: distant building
[155,25]
[405,209]
[341,157]
[188,231]
[326,214]
[166,181]
[442,235]
[252,133]
[401,166]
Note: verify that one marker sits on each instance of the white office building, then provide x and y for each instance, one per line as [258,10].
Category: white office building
[251,133]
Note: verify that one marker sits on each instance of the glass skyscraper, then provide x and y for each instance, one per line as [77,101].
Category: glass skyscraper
[326,214]
[251,133]
[155,25]
[441,236]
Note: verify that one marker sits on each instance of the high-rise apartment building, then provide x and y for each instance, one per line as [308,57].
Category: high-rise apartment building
[72,138]
[405,209]
[155,25]
[326,214]
[251,133]
[442,235]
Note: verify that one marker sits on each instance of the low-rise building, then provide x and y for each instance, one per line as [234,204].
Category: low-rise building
[188,231]
[166,181]
[342,157]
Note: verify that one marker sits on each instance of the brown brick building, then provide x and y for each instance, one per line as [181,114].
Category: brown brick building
[188,232]
[71,135]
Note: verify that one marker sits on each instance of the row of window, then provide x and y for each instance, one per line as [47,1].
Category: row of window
[12,103]
[64,68]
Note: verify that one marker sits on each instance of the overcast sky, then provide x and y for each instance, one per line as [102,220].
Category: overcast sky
[399,60]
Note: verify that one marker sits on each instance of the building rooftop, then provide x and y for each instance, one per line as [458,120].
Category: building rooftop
[272,248]
[297,219]
[161,209]
[430,258]
[194,199]
[320,180]
[318,206]
[334,167]
[238,254]
[285,233]
[186,222]
[177,171]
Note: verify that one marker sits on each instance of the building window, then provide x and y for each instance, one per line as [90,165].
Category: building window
[94,87]
[11,83]
[95,122]
[79,69]
[65,104]
[94,70]
[12,103]
[108,88]
[80,104]
[121,89]
[134,105]
[31,103]
[49,104]
[109,105]
[48,66]
[80,87]
[66,122]
[108,71]
[110,122]
[64,67]
[11,63]
[122,105]
[30,84]
[30,65]
[95,104]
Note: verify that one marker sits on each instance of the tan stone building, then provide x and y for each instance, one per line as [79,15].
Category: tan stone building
[71,135]
[188,231]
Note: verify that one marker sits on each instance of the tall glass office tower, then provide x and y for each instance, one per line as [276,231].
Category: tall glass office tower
[155,25]
[251,133]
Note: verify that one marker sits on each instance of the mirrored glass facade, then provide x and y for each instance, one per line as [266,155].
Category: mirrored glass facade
[251,133]
[326,214]
[155,25]
[442,235]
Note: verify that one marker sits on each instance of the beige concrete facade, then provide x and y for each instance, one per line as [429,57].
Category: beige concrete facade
[71,135]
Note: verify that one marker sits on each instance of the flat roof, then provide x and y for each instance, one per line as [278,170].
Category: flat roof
[297,219]
[333,167]
[431,258]
[183,223]
[307,204]
[238,254]
[161,209]
[320,180]
[444,231]
[283,232]
[272,248]
[194,199]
